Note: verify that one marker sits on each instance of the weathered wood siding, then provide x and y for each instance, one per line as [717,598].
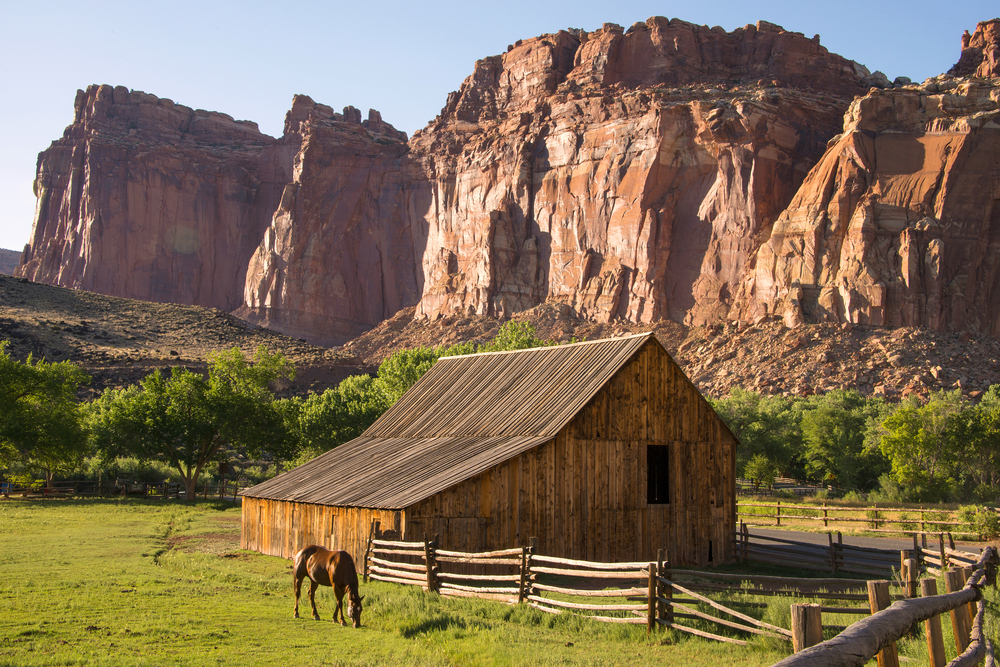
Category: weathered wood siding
[281,528]
[583,494]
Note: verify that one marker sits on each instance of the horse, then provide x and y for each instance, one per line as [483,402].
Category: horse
[328,568]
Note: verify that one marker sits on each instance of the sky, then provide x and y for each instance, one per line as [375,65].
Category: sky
[248,59]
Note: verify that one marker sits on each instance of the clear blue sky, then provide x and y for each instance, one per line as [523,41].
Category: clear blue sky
[248,59]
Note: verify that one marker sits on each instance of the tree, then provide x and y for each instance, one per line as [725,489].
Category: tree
[338,415]
[765,425]
[40,419]
[760,471]
[921,443]
[834,426]
[978,430]
[188,420]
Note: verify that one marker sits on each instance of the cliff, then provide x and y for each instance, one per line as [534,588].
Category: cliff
[668,171]
[146,199]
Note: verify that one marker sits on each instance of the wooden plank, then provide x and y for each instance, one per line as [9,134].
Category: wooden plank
[590,607]
[701,633]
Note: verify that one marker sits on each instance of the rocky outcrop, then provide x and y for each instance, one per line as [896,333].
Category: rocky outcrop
[980,51]
[629,181]
[147,199]
[899,223]
[338,256]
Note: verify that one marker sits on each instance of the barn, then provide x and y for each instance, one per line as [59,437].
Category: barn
[603,450]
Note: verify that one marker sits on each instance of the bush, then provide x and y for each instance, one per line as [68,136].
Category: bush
[980,520]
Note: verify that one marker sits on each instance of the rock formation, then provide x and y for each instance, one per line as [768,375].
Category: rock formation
[899,223]
[626,174]
[147,199]
[338,256]
[9,260]
[980,51]
[667,171]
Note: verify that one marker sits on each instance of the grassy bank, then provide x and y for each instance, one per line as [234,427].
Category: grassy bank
[133,582]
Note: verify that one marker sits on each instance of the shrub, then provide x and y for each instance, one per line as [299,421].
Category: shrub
[980,520]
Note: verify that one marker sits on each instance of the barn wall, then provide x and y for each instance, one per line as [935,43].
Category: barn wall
[583,494]
[281,528]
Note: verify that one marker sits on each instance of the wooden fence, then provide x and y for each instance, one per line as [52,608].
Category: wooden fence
[122,487]
[877,634]
[872,519]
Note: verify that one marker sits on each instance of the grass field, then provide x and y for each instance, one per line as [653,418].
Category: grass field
[133,582]
[140,582]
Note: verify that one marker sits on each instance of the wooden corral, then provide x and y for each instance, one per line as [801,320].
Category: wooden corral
[602,450]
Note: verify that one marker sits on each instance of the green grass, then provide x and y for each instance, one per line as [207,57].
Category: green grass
[138,582]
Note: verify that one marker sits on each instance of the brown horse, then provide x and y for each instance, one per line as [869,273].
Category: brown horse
[328,568]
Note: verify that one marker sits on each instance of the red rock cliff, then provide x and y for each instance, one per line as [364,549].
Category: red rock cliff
[147,199]
[899,223]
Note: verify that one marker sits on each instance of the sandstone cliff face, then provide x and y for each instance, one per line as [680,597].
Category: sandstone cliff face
[609,181]
[670,171]
[899,223]
[147,199]
[980,51]
[338,256]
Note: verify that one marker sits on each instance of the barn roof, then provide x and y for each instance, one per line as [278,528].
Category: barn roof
[464,416]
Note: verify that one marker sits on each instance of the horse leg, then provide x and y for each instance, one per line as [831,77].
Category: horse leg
[312,598]
[338,590]
[297,587]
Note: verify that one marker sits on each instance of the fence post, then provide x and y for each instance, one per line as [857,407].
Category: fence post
[932,627]
[916,550]
[944,556]
[959,616]
[429,561]
[879,599]
[966,575]
[825,525]
[833,553]
[912,572]
[368,551]
[662,590]
[651,600]
[777,513]
[524,575]
[875,507]
[807,626]
[951,542]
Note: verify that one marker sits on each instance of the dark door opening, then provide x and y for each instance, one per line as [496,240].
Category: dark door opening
[657,474]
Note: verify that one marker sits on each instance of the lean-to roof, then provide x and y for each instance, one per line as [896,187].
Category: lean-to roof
[464,416]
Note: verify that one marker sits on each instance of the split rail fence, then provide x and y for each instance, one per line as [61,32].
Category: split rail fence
[837,557]
[872,519]
[120,487]
[876,636]
[656,595]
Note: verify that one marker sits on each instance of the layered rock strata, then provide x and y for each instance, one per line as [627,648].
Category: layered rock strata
[338,256]
[899,223]
[667,171]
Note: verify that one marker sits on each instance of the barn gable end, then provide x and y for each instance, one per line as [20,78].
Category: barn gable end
[487,451]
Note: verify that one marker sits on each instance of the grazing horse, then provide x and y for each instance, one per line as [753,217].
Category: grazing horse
[328,568]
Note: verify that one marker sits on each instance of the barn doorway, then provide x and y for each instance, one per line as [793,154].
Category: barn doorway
[657,474]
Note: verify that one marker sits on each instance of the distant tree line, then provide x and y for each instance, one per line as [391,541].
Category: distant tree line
[939,449]
[944,448]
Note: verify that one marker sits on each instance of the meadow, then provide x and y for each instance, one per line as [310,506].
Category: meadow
[143,582]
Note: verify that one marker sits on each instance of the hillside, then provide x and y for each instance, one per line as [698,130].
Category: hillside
[120,341]
[9,259]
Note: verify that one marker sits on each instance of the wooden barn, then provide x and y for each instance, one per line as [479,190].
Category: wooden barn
[603,450]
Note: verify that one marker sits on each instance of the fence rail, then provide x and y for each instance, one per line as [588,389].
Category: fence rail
[657,595]
[875,518]
[121,487]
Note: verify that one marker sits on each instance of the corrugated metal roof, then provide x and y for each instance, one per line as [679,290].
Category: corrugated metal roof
[464,416]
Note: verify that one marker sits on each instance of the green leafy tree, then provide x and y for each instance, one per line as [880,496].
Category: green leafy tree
[761,471]
[978,429]
[765,425]
[514,335]
[834,426]
[41,427]
[338,415]
[921,443]
[189,421]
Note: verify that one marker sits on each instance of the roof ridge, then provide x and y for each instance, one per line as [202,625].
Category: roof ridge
[549,347]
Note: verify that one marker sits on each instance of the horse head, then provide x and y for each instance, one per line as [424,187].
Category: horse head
[354,608]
